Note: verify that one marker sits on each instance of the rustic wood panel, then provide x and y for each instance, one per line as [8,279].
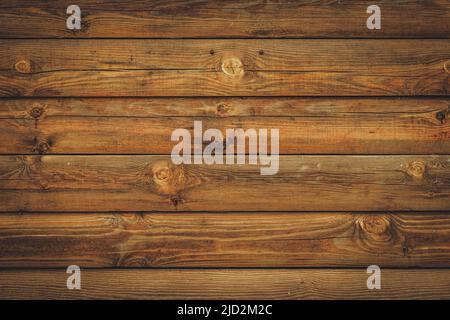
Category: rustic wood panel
[224,240]
[224,67]
[124,204]
[142,126]
[32,108]
[226,284]
[135,183]
[256,18]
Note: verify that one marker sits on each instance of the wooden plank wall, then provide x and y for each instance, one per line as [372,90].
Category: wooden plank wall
[86,176]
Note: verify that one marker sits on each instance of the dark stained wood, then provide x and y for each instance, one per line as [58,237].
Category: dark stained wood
[226,284]
[216,18]
[305,183]
[224,240]
[57,68]
[144,126]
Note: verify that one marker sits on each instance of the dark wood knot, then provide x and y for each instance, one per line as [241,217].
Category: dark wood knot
[222,109]
[441,115]
[42,147]
[37,112]
[176,200]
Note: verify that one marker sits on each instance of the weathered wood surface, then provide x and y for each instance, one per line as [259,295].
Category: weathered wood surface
[216,18]
[148,183]
[40,108]
[144,126]
[57,68]
[124,204]
[224,240]
[226,284]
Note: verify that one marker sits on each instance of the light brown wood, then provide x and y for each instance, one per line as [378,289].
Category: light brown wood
[224,240]
[215,18]
[226,284]
[148,183]
[57,68]
[144,126]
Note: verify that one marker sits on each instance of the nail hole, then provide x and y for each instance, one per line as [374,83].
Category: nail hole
[440,115]
[405,250]
[176,200]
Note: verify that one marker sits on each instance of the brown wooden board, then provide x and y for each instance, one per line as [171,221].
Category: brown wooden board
[225,240]
[86,119]
[144,126]
[105,68]
[149,183]
[226,284]
[228,19]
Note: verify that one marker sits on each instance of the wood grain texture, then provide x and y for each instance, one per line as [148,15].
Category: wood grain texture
[40,108]
[102,68]
[224,240]
[144,126]
[226,284]
[149,183]
[215,18]
[86,119]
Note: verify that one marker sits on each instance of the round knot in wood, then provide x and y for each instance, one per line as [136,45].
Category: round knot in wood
[416,169]
[168,178]
[36,112]
[23,66]
[376,226]
[222,109]
[161,175]
[233,67]
[42,147]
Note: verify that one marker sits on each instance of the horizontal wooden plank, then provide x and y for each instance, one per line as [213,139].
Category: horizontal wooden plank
[40,108]
[226,284]
[256,18]
[148,183]
[144,126]
[103,68]
[224,240]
